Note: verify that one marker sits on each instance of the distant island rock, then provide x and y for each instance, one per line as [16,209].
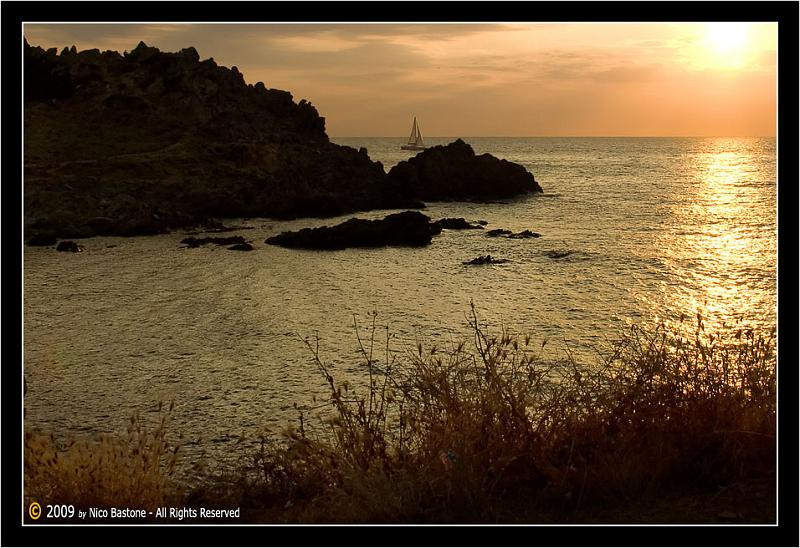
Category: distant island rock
[147,142]
[409,228]
[454,172]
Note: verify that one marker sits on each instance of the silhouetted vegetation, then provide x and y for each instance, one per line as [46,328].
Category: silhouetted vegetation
[666,427]
[135,470]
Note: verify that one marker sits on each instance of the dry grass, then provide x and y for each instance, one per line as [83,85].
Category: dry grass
[491,432]
[133,471]
[664,426]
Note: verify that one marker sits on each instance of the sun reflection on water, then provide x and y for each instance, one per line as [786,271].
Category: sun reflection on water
[726,257]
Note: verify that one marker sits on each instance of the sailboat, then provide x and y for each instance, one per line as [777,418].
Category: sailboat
[415,141]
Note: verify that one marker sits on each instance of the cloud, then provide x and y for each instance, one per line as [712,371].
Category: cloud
[423,32]
[180,35]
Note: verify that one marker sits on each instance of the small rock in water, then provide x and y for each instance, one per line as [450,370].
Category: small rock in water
[242,247]
[558,254]
[487,259]
[524,234]
[197,242]
[456,224]
[67,245]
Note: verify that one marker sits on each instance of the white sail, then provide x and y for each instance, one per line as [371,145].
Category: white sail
[412,140]
[415,141]
[418,140]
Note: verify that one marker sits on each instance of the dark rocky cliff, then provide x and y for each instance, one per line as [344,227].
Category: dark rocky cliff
[148,141]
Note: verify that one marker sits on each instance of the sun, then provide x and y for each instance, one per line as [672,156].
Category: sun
[726,46]
[727,38]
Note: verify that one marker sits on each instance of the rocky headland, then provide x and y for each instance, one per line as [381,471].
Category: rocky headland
[454,172]
[147,141]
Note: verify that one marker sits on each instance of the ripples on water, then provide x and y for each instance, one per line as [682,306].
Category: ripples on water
[633,231]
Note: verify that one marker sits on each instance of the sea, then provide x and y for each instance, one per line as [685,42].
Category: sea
[633,232]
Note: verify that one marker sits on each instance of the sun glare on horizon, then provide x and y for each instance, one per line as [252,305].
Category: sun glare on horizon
[727,37]
[727,44]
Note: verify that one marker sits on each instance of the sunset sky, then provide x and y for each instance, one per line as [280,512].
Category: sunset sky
[519,79]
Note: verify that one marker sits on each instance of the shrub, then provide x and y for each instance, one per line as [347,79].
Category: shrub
[133,471]
[494,432]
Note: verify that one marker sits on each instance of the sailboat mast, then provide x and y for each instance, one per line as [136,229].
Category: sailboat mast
[415,141]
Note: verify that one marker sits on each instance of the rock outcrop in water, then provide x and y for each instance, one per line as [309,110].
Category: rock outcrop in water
[485,259]
[558,253]
[241,247]
[69,246]
[197,242]
[147,141]
[494,233]
[457,224]
[409,228]
[525,234]
[454,172]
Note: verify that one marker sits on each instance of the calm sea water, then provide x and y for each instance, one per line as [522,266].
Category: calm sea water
[634,231]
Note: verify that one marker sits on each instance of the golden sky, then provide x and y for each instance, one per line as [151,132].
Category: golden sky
[519,79]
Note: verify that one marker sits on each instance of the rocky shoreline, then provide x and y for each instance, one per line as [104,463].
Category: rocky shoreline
[148,142]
